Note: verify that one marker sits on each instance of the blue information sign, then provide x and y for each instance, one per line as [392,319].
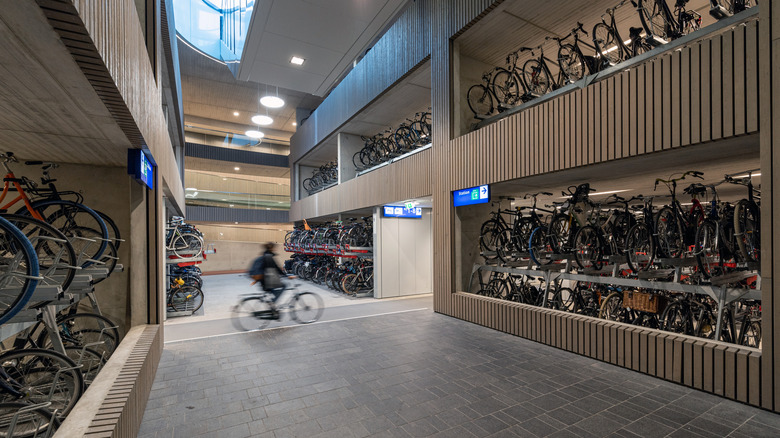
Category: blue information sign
[401,211]
[473,195]
[141,166]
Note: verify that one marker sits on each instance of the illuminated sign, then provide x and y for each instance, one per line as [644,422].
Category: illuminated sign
[470,196]
[141,166]
[401,211]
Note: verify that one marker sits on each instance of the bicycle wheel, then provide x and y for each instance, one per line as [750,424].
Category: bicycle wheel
[608,46]
[247,314]
[676,318]
[747,230]
[559,232]
[85,330]
[18,270]
[72,219]
[619,231]
[587,248]
[536,77]
[539,247]
[480,101]
[707,249]
[505,87]
[562,299]
[640,248]
[490,239]
[307,307]
[56,258]
[653,18]
[28,422]
[186,299]
[522,234]
[113,230]
[42,376]
[350,284]
[571,63]
[187,245]
[90,361]
[612,308]
[751,334]
[670,234]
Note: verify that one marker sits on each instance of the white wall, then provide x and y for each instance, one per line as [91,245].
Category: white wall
[403,256]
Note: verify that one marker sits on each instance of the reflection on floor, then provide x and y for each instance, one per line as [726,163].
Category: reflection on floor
[419,373]
[222,292]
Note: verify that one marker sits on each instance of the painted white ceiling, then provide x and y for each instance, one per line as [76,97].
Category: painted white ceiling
[328,34]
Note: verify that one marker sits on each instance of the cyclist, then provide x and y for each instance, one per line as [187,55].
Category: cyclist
[265,270]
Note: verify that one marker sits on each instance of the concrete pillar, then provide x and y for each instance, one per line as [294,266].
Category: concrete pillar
[348,145]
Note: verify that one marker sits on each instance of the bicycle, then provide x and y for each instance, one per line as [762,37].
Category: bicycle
[182,297]
[537,74]
[363,278]
[603,236]
[610,45]
[19,270]
[675,228]
[255,311]
[660,22]
[183,242]
[747,219]
[731,7]
[480,97]
[573,62]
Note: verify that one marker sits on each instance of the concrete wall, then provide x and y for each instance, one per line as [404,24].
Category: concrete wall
[237,256]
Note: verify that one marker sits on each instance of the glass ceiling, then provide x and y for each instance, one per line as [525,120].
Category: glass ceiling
[217,28]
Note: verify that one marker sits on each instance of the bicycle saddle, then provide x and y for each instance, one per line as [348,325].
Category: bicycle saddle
[635,31]
[695,189]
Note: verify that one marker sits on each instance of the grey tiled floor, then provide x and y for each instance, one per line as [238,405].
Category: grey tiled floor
[419,374]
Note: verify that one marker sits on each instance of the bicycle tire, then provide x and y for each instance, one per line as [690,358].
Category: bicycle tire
[676,318]
[505,87]
[707,249]
[35,370]
[307,307]
[640,248]
[19,269]
[480,100]
[562,299]
[490,235]
[747,230]
[612,308]
[70,218]
[350,284]
[187,245]
[186,299]
[536,77]
[571,63]
[670,238]
[604,39]
[84,330]
[559,233]
[246,314]
[91,362]
[538,246]
[32,423]
[653,20]
[113,230]
[588,250]
[750,336]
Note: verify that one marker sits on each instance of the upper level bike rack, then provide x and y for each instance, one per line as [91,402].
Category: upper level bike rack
[562,269]
[393,160]
[637,60]
[331,250]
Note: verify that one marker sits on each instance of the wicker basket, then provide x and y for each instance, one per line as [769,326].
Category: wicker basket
[644,301]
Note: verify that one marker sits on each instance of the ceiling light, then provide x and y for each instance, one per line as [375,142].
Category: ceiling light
[254,134]
[296,60]
[224,199]
[232,205]
[236,223]
[262,120]
[747,175]
[601,193]
[190,189]
[224,179]
[236,168]
[235,113]
[295,124]
[272,101]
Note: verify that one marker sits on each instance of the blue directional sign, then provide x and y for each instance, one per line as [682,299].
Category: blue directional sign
[470,196]
[401,211]
[141,166]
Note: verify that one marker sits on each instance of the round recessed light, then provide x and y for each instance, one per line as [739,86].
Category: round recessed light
[254,134]
[272,101]
[236,168]
[235,113]
[262,120]
[295,124]
[224,179]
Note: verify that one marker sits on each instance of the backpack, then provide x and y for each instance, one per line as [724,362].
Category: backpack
[271,278]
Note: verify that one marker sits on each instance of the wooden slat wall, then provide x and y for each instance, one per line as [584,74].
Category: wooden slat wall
[722,369]
[405,179]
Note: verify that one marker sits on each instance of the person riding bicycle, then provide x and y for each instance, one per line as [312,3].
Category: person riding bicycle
[265,270]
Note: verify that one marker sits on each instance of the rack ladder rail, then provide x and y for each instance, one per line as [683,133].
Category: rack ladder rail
[556,272]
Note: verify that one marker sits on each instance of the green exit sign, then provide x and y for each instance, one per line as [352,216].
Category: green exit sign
[409,205]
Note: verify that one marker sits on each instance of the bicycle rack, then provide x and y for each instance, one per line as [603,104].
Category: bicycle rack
[31,408]
[718,289]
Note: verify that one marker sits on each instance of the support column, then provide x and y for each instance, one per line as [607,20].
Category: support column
[769,86]
[348,146]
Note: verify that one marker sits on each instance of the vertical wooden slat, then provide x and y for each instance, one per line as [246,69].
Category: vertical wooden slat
[751,76]
[729,373]
[676,105]
[651,354]
[616,119]
[660,355]
[728,84]
[659,106]
[620,358]
[716,106]
[590,107]
[708,359]
[636,349]
[739,60]
[607,91]
[754,381]
[719,369]
[687,364]
[696,99]
[741,372]
[698,365]
[686,88]
[705,91]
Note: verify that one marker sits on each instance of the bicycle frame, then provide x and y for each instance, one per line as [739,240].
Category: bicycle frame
[11,179]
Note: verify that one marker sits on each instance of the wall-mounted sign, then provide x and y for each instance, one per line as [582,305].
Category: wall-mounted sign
[473,195]
[409,205]
[141,166]
[401,211]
